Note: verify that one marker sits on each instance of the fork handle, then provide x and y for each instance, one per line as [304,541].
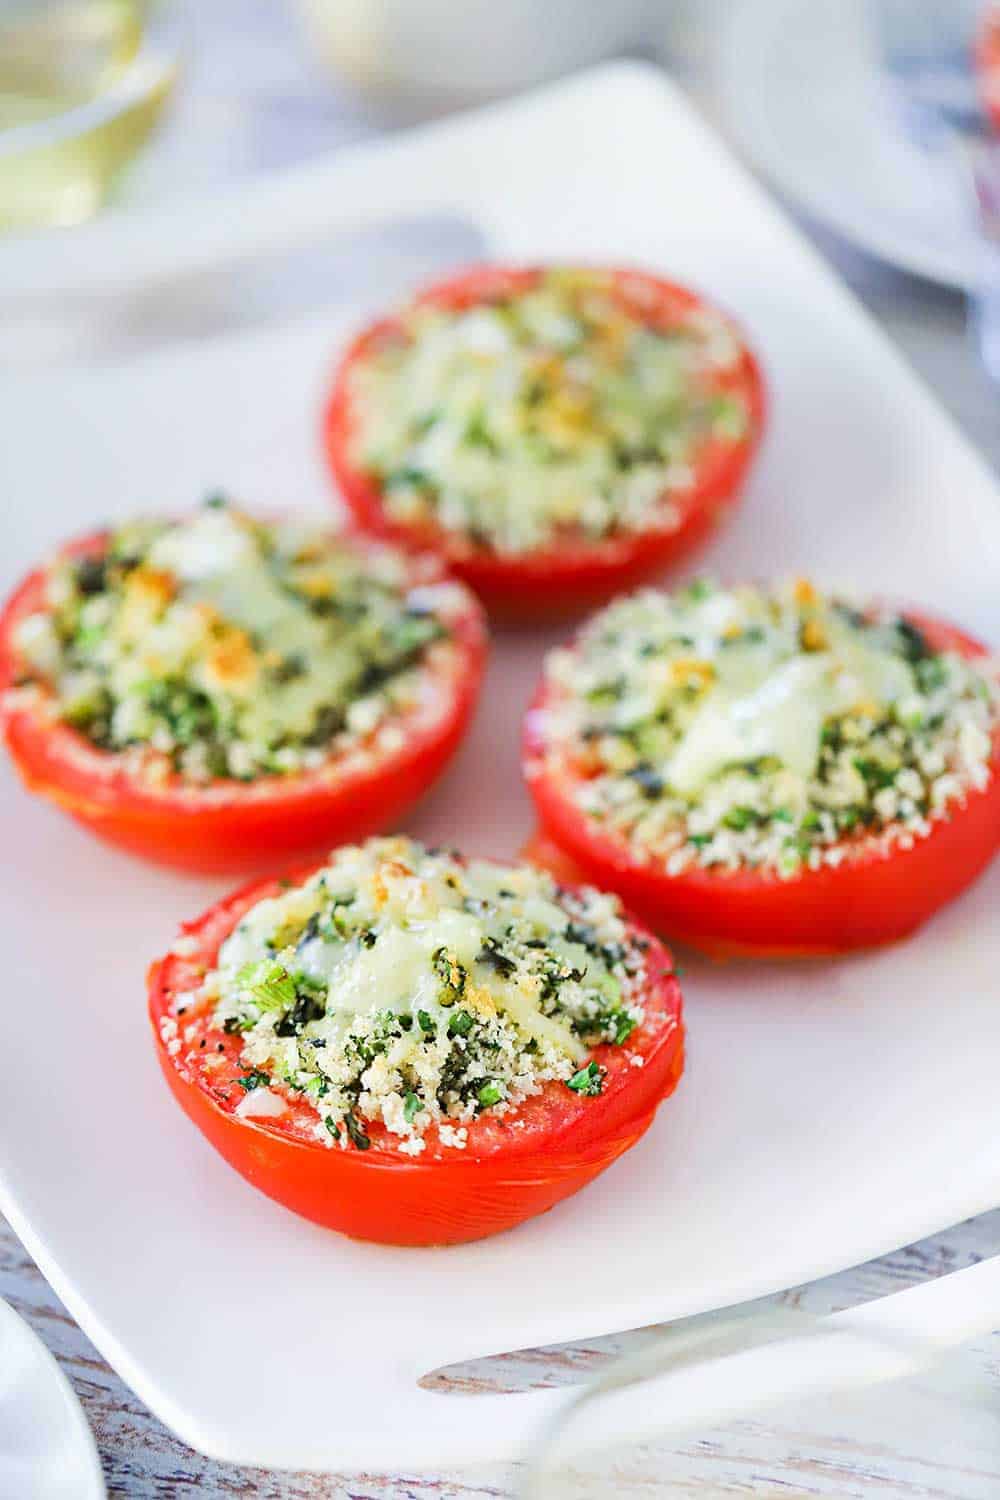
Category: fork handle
[764,1364]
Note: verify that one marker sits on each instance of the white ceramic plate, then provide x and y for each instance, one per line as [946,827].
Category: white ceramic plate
[47,1451]
[831,1112]
[803,94]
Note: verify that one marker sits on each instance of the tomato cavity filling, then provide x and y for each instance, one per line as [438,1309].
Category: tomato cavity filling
[564,409]
[763,727]
[416,989]
[222,647]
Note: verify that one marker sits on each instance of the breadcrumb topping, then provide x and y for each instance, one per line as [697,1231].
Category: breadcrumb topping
[777,727]
[419,990]
[570,407]
[221,647]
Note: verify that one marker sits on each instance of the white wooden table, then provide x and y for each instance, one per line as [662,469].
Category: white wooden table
[938,1440]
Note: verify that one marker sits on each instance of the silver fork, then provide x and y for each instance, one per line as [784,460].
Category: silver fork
[927,49]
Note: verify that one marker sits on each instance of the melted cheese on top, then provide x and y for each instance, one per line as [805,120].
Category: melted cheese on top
[561,409]
[765,726]
[232,648]
[417,988]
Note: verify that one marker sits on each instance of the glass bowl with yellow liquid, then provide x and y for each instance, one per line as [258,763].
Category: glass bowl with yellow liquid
[83,86]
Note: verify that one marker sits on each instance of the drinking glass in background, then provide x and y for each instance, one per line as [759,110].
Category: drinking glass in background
[83,84]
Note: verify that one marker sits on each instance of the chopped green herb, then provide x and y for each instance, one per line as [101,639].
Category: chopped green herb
[698,589]
[648,779]
[625,1024]
[491,955]
[412,1105]
[452,975]
[354,1130]
[255,1079]
[267,985]
[588,1081]
[740,818]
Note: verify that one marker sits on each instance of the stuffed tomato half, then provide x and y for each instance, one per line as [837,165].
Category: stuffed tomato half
[416,1048]
[768,771]
[557,434]
[217,692]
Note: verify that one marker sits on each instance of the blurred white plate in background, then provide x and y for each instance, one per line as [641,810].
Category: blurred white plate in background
[831,1111]
[47,1451]
[803,95]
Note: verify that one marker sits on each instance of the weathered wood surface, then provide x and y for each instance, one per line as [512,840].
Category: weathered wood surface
[937,1440]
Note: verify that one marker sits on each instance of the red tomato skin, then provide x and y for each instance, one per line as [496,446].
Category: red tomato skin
[230,827]
[503,1177]
[570,578]
[873,899]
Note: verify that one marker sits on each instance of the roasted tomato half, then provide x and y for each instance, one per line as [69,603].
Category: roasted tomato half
[556,433]
[417,1048]
[768,771]
[219,692]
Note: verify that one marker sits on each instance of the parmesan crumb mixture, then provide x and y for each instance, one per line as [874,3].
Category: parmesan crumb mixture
[410,987]
[553,411]
[764,727]
[218,646]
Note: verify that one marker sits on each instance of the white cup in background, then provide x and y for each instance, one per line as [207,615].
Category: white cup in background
[447,52]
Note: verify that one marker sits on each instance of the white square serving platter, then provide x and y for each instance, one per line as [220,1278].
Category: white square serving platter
[830,1111]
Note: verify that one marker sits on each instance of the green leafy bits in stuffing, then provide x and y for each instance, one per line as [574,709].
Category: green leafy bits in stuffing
[483,984]
[218,647]
[753,727]
[558,410]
